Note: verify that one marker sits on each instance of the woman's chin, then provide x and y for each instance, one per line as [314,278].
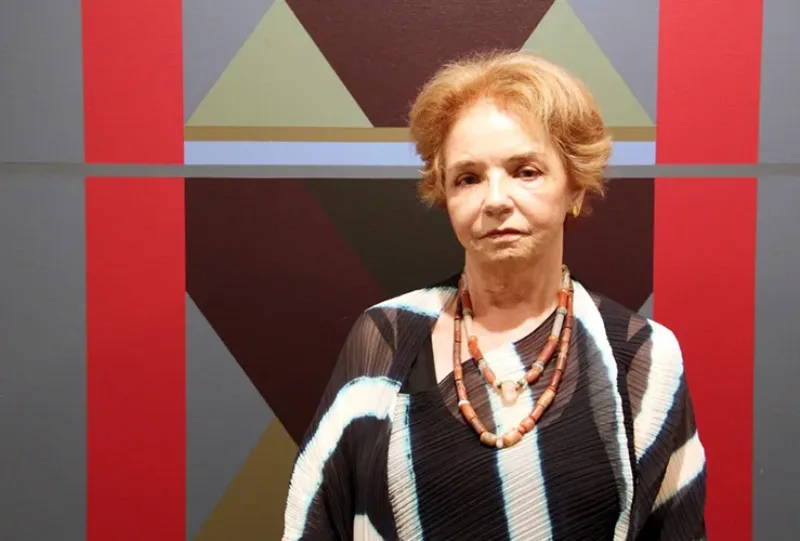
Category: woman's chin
[506,253]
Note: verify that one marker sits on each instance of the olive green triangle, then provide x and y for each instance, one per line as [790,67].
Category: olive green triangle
[562,38]
[279,78]
[253,505]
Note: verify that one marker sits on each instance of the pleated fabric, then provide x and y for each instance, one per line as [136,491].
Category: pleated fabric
[388,455]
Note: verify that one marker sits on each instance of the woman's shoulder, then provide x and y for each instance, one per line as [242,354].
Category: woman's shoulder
[389,329]
[650,362]
[427,300]
[638,336]
[411,308]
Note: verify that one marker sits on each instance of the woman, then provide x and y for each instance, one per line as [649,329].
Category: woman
[507,402]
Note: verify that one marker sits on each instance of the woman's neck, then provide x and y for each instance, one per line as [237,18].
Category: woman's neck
[506,295]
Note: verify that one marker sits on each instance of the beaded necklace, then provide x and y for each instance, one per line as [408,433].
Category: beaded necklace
[510,390]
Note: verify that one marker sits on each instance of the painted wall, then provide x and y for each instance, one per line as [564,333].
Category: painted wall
[198,197]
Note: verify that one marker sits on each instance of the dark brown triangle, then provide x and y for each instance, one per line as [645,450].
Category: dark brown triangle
[384,51]
[277,282]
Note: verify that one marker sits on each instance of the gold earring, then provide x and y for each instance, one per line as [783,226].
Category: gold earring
[575,211]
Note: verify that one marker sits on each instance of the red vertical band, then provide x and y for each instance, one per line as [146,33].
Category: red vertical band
[705,232]
[135,247]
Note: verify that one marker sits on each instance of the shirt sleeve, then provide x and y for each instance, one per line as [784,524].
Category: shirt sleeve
[320,504]
[678,509]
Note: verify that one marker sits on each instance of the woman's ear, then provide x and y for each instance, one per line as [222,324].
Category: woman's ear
[577,203]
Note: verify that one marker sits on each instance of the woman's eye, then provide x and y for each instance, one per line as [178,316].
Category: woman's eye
[467,179]
[529,172]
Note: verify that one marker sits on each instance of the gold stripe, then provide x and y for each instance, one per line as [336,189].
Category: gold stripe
[633,133]
[318,134]
[364,135]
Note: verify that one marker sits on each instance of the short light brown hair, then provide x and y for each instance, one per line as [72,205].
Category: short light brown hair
[539,93]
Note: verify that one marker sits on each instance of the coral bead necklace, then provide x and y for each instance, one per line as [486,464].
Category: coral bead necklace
[510,390]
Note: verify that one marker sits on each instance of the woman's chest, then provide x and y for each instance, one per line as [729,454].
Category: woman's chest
[565,476]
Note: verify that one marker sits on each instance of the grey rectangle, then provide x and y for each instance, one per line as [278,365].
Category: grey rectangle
[776,471]
[41,81]
[768,172]
[780,83]
[43,353]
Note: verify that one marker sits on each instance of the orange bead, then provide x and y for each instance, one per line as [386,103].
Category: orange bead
[511,437]
[527,425]
[549,349]
[478,425]
[547,397]
[487,438]
[474,350]
[557,375]
[532,375]
[461,390]
[467,411]
[561,363]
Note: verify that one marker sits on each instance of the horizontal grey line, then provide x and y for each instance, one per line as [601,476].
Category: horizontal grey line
[373,172]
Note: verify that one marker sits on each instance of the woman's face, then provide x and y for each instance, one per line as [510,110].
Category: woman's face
[506,190]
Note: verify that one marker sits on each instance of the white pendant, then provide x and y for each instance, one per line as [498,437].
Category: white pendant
[509,392]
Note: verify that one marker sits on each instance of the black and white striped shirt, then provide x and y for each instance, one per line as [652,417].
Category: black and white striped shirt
[388,455]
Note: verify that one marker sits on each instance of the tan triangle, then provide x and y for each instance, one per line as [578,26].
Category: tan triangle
[562,38]
[252,507]
[279,78]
